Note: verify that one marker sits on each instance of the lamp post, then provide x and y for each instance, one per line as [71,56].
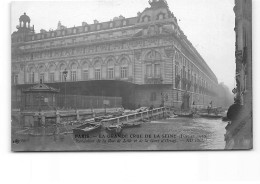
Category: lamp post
[65,74]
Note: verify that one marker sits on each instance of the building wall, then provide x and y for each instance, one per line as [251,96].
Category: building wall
[151,47]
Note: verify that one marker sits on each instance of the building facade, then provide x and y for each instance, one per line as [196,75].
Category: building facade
[239,134]
[147,60]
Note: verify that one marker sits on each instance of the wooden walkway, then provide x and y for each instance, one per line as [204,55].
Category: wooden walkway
[149,114]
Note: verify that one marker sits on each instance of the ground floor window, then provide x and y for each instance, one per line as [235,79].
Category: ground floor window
[62,77]
[124,72]
[110,73]
[31,78]
[41,77]
[157,70]
[73,75]
[15,79]
[85,75]
[98,74]
[149,70]
[51,77]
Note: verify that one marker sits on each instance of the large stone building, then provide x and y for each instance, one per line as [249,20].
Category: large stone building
[146,60]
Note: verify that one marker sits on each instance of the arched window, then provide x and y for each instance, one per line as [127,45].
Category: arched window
[31,74]
[62,69]
[110,69]
[52,73]
[123,68]
[73,72]
[85,71]
[97,68]
[41,74]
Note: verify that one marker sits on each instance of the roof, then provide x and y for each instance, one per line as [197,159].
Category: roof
[41,88]
[24,18]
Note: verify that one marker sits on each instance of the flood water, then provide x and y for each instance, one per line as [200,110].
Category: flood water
[213,129]
[167,134]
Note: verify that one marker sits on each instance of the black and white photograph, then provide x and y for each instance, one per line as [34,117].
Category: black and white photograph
[137,75]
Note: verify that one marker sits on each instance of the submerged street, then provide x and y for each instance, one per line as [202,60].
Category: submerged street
[168,134]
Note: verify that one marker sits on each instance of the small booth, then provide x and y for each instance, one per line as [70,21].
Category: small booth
[39,97]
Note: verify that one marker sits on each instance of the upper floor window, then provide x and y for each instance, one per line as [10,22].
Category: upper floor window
[74,31]
[86,28]
[52,34]
[63,33]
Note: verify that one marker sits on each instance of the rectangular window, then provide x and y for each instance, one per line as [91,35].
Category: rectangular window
[85,75]
[31,78]
[62,77]
[98,74]
[110,73]
[149,70]
[51,77]
[124,72]
[15,79]
[73,75]
[157,70]
[42,77]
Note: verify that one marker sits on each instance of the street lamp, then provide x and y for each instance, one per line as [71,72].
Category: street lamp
[65,74]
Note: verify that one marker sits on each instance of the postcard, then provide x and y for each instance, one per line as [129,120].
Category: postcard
[115,75]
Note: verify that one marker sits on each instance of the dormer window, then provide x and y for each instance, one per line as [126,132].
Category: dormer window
[124,23]
[146,18]
[111,25]
[160,16]
[98,27]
